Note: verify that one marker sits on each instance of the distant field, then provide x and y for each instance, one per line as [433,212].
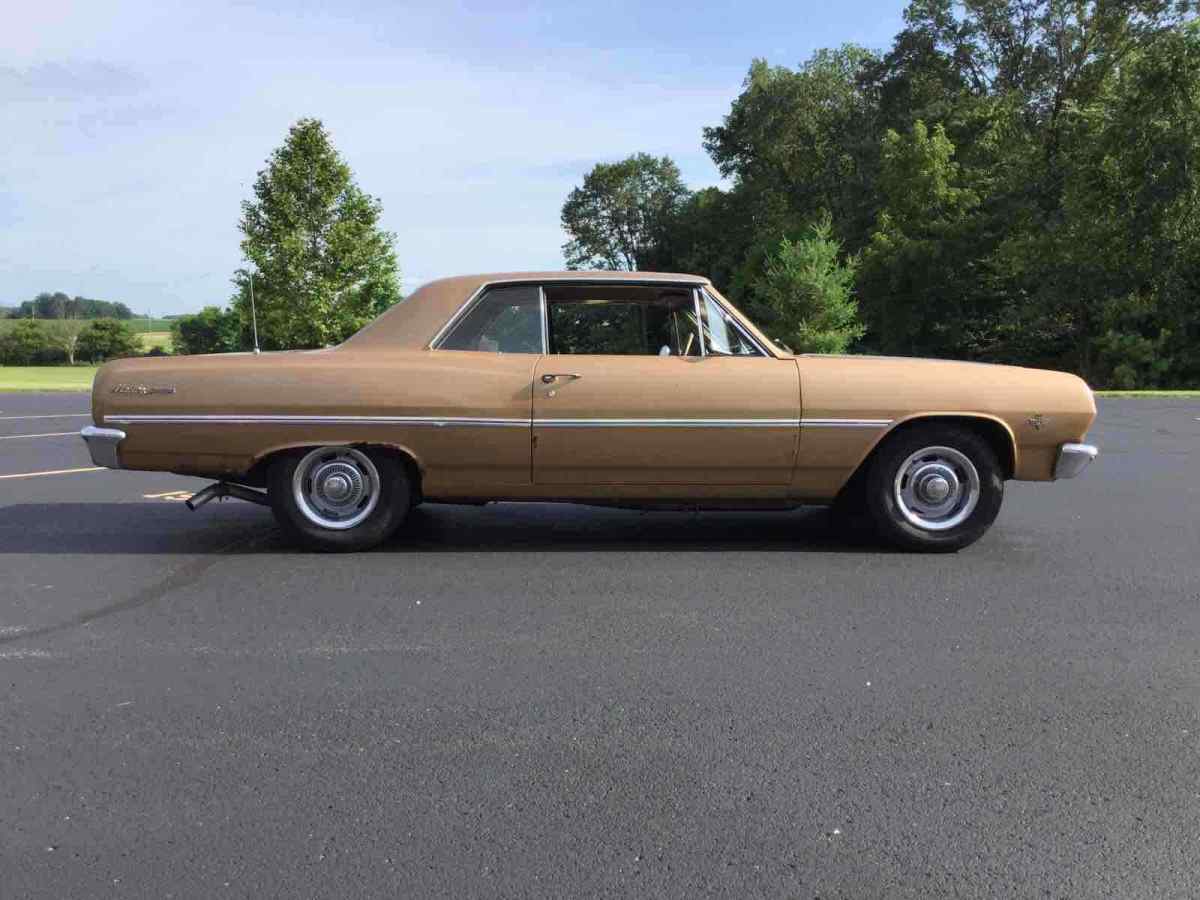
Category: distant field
[151,339]
[140,326]
[46,378]
[150,326]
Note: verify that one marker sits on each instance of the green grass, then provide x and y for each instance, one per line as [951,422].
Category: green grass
[46,378]
[151,339]
[1183,394]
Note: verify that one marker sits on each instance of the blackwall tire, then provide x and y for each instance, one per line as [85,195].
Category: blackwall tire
[339,499]
[934,488]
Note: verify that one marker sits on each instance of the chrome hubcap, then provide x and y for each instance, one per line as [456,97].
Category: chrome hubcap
[336,487]
[937,488]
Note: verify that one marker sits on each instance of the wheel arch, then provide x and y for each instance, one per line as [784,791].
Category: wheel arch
[991,428]
[257,472]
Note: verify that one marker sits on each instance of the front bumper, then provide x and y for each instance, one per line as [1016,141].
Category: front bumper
[1073,459]
[102,444]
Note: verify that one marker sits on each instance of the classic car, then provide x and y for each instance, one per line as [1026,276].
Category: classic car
[633,389]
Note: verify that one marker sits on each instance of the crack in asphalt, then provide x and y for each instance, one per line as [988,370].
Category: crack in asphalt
[179,577]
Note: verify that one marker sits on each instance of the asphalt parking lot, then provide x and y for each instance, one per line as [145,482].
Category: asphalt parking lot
[556,701]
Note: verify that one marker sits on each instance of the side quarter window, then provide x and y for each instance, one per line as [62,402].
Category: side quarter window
[722,336]
[503,320]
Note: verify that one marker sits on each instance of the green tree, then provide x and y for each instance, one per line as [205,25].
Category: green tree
[617,218]
[212,330]
[322,266]
[1070,123]
[917,293]
[104,339]
[1019,179]
[801,142]
[64,334]
[26,343]
[810,289]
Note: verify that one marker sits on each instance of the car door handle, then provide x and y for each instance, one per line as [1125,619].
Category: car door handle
[550,378]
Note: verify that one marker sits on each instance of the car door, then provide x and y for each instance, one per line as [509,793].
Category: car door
[654,385]
[475,390]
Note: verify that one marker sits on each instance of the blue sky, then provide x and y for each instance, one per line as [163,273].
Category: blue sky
[131,130]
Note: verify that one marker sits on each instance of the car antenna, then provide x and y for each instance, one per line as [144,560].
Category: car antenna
[253,316]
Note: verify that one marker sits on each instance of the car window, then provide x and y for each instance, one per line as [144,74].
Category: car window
[722,336]
[622,321]
[504,320]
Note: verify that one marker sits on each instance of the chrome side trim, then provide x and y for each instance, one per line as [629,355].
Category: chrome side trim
[484,421]
[845,423]
[1073,459]
[102,444]
[665,423]
[314,420]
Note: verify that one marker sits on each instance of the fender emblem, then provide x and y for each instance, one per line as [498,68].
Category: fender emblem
[143,389]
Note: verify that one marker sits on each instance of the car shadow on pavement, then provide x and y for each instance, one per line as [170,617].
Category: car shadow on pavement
[234,527]
[564,527]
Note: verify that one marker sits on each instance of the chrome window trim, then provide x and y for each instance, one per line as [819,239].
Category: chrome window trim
[732,320]
[454,319]
[474,299]
[545,312]
[470,302]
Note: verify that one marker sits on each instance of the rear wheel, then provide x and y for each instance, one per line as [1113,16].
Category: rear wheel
[339,498]
[935,488]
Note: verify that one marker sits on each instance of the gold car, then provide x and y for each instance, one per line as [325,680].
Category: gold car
[630,389]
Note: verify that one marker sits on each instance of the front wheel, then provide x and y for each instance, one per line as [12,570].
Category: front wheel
[935,488]
[339,498]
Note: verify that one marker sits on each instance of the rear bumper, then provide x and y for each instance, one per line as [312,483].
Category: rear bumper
[103,444]
[1073,459]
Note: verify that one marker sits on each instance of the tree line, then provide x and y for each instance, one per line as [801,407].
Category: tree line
[57,305]
[49,342]
[55,328]
[1013,180]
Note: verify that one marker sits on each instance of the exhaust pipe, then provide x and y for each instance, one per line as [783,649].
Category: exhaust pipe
[223,489]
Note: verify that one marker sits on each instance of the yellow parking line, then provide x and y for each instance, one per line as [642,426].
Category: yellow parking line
[13,437]
[52,472]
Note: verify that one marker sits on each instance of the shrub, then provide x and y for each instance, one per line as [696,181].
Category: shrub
[212,330]
[106,339]
[26,343]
